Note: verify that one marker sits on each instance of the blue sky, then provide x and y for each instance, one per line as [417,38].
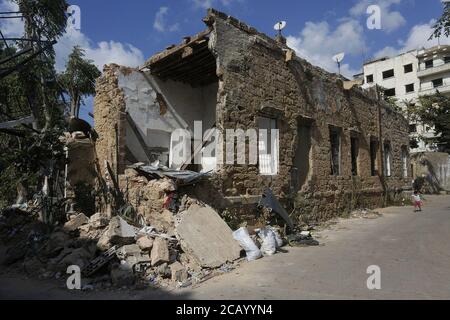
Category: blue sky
[128,32]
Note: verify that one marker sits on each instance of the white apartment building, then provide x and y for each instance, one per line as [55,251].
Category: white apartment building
[408,76]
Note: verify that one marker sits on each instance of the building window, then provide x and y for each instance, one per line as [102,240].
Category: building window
[388,74]
[447,59]
[335,144]
[412,128]
[369,79]
[409,88]
[389,92]
[429,64]
[387,159]
[405,156]
[408,68]
[355,154]
[438,83]
[373,157]
[268,146]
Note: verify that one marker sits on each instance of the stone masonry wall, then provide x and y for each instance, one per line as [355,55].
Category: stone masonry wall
[256,80]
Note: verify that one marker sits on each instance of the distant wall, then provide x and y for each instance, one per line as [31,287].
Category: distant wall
[434,168]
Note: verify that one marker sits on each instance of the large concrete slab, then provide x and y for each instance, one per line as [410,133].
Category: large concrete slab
[207,238]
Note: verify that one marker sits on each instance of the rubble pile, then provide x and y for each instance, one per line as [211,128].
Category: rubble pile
[160,238]
[172,249]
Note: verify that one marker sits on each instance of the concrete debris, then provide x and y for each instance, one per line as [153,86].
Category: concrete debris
[75,222]
[119,232]
[179,273]
[160,252]
[98,221]
[204,235]
[127,251]
[145,243]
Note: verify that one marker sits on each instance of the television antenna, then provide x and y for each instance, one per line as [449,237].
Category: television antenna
[338,59]
[279,26]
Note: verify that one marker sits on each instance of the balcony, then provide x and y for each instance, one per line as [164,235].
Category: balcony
[430,90]
[436,69]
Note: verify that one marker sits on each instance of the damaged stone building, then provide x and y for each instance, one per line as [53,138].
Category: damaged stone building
[339,147]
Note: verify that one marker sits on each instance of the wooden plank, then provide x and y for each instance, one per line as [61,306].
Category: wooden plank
[165,54]
[179,63]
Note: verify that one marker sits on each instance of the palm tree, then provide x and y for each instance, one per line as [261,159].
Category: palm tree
[78,80]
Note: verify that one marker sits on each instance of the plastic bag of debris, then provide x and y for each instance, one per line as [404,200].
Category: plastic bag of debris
[269,241]
[278,238]
[242,236]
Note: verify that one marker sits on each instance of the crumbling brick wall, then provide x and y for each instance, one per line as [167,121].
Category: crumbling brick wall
[109,107]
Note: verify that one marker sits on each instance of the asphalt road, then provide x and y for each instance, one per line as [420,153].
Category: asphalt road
[411,249]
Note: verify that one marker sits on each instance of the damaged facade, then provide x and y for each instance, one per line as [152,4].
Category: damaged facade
[338,148]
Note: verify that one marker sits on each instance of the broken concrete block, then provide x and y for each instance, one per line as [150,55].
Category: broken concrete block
[160,252]
[179,273]
[98,221]
[129,250]
[207,238]
[76,222]
[119,232]
[145,243]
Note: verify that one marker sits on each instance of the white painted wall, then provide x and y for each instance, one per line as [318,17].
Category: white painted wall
[185,105]
[400,79]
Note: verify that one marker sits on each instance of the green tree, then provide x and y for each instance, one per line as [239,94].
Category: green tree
[442,26]
[78,80]
[434,110]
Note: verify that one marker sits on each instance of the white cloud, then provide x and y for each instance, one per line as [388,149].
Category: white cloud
[160,23]
[101,53]
[417,38]
[390,20]
[318,43]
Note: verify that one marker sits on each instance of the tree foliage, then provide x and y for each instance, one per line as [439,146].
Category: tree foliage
[434,111]
[442,26]
[78,80]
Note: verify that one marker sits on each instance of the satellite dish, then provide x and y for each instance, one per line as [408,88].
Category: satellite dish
[339,57]
[280,25]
